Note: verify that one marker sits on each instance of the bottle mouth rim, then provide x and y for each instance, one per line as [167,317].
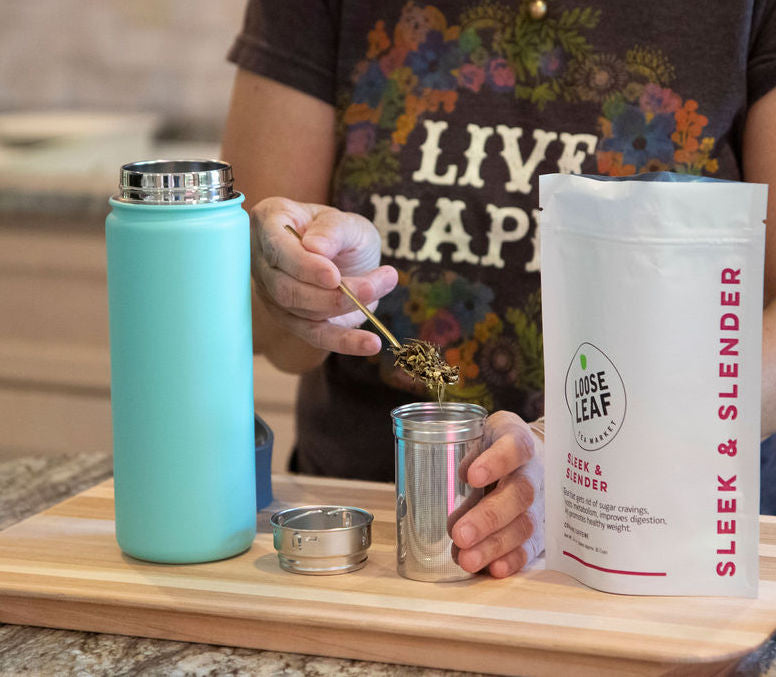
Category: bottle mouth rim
[435,423]
[162,182]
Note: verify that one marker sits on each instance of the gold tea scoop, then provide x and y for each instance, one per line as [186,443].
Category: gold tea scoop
[420,359]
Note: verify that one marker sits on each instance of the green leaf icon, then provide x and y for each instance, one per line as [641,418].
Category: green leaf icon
[583,361]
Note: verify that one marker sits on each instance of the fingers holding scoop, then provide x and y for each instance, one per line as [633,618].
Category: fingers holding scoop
[297,280]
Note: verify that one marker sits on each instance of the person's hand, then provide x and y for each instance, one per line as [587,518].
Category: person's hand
[297,281]
[504,531]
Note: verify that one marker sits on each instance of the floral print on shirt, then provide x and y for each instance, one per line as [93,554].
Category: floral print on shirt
[644,125]
[418,68]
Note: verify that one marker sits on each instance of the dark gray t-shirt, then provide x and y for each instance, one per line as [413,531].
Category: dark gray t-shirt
[447,114]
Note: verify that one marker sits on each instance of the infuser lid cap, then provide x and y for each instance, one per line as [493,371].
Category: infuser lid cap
[322,539]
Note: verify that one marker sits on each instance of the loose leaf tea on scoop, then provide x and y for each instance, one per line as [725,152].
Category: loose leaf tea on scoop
[421,360]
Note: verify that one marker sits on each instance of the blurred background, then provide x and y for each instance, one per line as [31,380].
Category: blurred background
[86,86]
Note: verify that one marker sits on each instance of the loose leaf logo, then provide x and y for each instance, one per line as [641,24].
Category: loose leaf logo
[595,396]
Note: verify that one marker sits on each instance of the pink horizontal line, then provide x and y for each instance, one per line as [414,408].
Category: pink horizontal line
[615,571]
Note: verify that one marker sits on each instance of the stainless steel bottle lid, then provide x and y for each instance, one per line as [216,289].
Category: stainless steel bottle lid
[322,539]
[163,182]
[430,422]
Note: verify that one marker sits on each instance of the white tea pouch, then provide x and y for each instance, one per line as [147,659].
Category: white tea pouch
[652,293]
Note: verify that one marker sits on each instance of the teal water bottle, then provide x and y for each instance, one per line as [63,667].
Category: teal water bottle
[178,248]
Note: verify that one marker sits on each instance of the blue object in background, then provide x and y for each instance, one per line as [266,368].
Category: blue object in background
[768,476]
[181,367]
[264,441]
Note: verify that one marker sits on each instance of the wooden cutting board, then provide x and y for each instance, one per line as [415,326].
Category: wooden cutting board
[63,569]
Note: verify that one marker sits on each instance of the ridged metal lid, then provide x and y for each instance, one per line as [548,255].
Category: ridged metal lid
[435,423]
[167,182]
[322,539]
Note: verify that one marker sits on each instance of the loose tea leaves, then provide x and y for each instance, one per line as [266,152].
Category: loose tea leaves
[421,360]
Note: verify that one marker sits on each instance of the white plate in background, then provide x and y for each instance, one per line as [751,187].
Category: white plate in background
[77,144]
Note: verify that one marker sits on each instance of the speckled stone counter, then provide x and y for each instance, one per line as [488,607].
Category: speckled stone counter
[31,483]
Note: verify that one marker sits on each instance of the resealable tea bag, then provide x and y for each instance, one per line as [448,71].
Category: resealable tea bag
[652,310]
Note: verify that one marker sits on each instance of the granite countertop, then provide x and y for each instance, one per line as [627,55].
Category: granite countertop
[30,483]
